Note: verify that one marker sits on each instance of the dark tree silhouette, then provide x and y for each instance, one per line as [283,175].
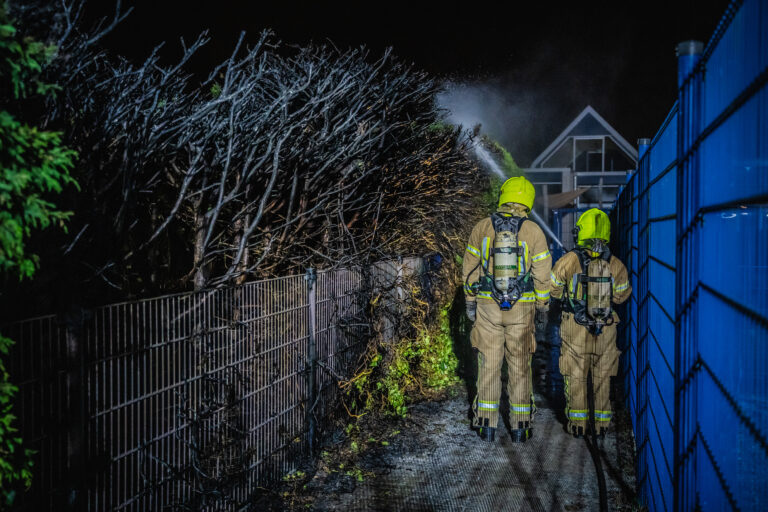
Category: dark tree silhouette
[284,157]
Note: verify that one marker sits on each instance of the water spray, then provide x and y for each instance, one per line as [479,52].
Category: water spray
[547,229]
[486,157]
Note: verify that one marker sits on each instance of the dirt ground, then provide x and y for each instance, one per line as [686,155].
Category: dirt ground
[433,461]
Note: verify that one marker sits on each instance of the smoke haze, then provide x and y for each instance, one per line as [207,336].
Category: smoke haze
[509,117]
[525,109]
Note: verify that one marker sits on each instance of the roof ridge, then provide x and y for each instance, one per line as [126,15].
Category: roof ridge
[588,110]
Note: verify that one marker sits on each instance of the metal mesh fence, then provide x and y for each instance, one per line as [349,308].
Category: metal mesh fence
[188,401]
[691,226]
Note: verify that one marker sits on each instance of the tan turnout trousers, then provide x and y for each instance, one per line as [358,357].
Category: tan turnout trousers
[583,351]
[580,352]
[497,335]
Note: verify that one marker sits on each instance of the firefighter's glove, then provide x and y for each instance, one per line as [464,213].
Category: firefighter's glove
[542,312]
[472,311]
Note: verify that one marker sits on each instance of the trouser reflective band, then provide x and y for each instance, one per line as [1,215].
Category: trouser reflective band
[602,415]
[577,414]
[521,408]
[481,404]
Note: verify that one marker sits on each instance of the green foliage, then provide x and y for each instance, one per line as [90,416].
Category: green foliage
[15,461]
[489,199]
[215,90]
[508,163]
[356,473]
[437,358]
[423,363]
[398,378]
[441,127]
[34,164]
[22,60]
[293,475]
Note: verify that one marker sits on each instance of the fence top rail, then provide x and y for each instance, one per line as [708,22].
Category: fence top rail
[190,293]
[722,28]
[626,187]
[39,318]
[662,128]
[210,291]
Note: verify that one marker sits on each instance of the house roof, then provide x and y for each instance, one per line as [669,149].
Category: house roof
[589,122]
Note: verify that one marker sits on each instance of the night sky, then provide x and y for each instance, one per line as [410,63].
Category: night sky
[523,70]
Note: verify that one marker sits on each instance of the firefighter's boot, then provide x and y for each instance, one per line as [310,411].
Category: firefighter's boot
[519,435]
[522,433]
[487,433]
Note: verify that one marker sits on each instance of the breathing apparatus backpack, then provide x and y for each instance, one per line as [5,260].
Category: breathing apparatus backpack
[592,294]
[505,284]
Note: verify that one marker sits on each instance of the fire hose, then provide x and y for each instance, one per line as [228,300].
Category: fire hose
[592,444]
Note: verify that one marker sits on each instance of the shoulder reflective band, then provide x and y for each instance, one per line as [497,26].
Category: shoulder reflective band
[578,414]
[621,287]
[555,280]
[473,250]
[523,258]
[482,404]
[484,256]
[543,295]
[541,256]
[520,407]
[602,415]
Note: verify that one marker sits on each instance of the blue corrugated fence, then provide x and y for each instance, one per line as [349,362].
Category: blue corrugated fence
[692,226]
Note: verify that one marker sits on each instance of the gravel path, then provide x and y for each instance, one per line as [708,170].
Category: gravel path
[437,463]
[433,461]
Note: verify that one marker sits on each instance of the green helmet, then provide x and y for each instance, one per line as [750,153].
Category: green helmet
[593,224]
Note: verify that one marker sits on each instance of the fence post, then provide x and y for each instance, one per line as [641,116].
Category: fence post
[400,292]
[75,388]
[311,278]
[688,56]
[642,146]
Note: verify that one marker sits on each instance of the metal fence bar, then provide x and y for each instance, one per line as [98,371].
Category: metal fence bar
[311,278]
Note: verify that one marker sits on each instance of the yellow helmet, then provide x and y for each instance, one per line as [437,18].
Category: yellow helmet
[517,190]
[593,223]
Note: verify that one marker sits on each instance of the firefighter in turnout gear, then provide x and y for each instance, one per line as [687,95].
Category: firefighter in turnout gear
[506,280]
[586,281]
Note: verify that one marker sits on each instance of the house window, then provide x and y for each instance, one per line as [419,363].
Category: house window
[588,154]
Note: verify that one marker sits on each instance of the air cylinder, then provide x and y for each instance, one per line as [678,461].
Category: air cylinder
[505,265]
